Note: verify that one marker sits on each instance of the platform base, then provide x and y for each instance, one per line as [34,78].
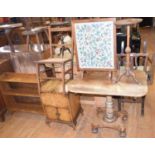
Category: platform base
[118,124]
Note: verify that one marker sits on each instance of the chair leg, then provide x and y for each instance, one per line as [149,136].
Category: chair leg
[42,41]
[46,33]
[142,106]
[38,42]
[27,42]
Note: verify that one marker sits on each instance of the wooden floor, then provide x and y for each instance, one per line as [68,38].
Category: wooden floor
[33,125]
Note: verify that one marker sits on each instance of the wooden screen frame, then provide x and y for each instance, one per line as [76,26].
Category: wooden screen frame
[114,43]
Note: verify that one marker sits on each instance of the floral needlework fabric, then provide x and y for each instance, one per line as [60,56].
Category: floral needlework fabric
[95,45]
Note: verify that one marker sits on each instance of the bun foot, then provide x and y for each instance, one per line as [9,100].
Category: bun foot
[94,130]
[123,134]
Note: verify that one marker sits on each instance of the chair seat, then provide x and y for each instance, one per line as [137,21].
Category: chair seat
[52,86]
[54,60]
[52,94]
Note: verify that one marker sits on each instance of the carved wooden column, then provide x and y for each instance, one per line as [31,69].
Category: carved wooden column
[109,111]
[128,51]
[128,72]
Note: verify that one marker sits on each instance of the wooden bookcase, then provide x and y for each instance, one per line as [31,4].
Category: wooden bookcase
[15,87]
[5,66]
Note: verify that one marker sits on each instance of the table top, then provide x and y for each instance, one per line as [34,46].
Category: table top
[11,25]
[99,85]
[129,21]
[65,23]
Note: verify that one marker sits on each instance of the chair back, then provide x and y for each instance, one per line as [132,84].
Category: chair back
[56,40]
[30,22]
[24,62]
[138,60]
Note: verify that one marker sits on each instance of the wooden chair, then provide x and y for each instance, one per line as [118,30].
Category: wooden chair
[33,31]
[139,61]
[60,32]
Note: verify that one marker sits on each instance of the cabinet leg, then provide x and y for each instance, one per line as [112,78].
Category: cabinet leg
[122,133]
[82,112]
[48,121]
[94,129]
[73,125]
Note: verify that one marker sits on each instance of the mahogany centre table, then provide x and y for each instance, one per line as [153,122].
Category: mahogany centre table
[99,84]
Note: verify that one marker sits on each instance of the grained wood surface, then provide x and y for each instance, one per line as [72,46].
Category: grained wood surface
[101,86]
[18,77]
[10,94]
[5,65]
[9,26]
[30,125]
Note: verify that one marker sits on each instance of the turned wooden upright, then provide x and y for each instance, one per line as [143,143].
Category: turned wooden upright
[128,23]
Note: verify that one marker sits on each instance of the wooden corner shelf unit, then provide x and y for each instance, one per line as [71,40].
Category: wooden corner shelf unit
[15,86]
[57,105]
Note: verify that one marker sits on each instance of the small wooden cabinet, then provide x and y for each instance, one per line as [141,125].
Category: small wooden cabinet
[58,106]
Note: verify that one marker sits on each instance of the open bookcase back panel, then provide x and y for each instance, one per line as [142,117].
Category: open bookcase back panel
[95,44]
